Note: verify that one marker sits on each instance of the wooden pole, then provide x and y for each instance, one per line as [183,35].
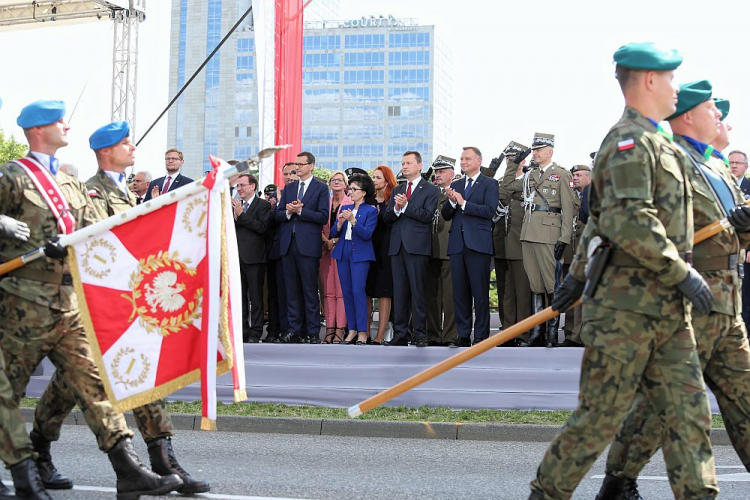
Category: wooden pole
[466,354]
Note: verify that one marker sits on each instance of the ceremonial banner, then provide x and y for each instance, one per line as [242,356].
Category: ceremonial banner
[159,295]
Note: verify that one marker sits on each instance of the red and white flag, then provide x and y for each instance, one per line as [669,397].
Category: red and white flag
[160,297]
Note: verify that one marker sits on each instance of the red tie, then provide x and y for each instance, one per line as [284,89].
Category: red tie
[166,185]
[408,192]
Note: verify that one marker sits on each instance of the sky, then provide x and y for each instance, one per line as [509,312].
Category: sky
[519,67]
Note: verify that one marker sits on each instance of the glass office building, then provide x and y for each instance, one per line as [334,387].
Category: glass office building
[373,88]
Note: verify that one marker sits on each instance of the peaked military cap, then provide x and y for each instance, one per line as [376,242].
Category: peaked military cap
[270,188]
[543,140]
[514,147]
[691,94]
[40,113]
[354,170]
[647,56]
[442,162]
[723,105]
[400,178]
[109,135]
[577,168]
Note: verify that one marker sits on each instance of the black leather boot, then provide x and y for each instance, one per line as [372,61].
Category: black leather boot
[47,471]
[164,462]
[28,484]
[552,325]
[618,488]
[535,336]
[133,478]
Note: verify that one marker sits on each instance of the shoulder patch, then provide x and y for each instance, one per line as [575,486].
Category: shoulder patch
[626,144]
[93,193]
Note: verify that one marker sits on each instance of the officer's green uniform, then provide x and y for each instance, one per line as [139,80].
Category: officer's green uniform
[721,336]
[441,320]
[636,326]
[153,419]
[573,316]
[40,310]
[501,256]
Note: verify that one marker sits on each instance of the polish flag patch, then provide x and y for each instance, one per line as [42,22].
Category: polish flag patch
[626,144]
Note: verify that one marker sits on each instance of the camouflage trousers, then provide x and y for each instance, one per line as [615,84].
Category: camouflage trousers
[725,358]
[28,333]
[16,445]
[57,402]
[626,351]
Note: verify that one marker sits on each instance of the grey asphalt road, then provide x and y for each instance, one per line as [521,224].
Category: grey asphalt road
[243,466]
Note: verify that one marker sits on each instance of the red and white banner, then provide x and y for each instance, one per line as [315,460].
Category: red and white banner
[160,297]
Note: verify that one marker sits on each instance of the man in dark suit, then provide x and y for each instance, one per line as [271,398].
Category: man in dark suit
[472,202]
[738,166]
[409,213]
[139,186]
[173,160]
[251,215]
[301,213]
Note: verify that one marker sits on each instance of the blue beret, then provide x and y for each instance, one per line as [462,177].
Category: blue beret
[691,94]
[647,56]
[40,113]
[109,135]
[723,105]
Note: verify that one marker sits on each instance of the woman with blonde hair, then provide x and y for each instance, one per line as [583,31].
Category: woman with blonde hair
[329,276]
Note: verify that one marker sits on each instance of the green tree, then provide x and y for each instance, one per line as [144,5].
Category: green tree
[10,148]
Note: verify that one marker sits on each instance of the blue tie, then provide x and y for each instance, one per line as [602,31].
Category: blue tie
[468,188]
[301,190]
[54,165]
[122,176]
[245,206]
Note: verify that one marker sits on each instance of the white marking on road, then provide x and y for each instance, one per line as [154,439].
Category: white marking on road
[740,477]
[217,496]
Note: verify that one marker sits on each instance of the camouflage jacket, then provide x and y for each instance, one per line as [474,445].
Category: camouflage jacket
[20,199]
[108,198]
[639,201]
[725,284]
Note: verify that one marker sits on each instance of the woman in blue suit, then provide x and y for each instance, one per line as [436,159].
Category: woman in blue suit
[353,253]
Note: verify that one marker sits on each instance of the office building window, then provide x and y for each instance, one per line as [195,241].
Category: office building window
[409,76]
[328,42]
[322,150]
[364,77]
[360,113]
[398,40]
[320,132]
[320,95]
[321,61]
[320,114]
[365,41]
[363,150]
[399,148]
[409,112]
[364,59]
[245,45]
[369,95]
[244,63]
[402,94]
[409,58]
[407,130]
[321,77]
[363,132]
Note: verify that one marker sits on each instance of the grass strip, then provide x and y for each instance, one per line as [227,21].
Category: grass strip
[394,413]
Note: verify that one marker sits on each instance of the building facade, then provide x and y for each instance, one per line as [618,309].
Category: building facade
[372,88]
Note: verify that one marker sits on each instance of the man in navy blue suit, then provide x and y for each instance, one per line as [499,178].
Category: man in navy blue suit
[409,213]
[738,166]
[471,205]
[301,213]
[173,161]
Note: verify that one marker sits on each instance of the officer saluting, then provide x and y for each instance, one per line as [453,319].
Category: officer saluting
[547,225]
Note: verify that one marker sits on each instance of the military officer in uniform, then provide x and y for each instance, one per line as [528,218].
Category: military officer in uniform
[636,315]
[441,321]
[549,205]
[581,181]
[114,153]
[38,303]
[721,336]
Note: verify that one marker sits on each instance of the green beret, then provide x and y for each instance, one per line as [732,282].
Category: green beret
[723,105]
[691,94]
[647,56]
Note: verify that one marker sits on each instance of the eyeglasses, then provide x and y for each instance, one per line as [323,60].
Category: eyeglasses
[336,180]
[172,158]
[355,189]
[738,163]
[303,164]
[241,185]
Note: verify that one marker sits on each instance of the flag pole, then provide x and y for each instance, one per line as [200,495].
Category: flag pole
[463,356]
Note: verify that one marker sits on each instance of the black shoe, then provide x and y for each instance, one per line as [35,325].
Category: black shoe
[164,462]
[315,339]
[510,343]
[133,478]
[277,340]
[421,343]
[535,495]
[47,471]
[398,341]
[460,342]
[618,488]
[570,343]
[535,336]
[291,338]
[28,484]
[552,326]
[476,341]
[252,340]
[433,343]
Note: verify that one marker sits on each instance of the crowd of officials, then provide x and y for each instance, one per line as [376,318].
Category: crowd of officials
[423,243]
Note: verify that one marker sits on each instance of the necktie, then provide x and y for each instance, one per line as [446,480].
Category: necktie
[54,165]
[408,192]
[167,182]
[122,176]
[245,206]
[301,190]
[468,188]
[140,200]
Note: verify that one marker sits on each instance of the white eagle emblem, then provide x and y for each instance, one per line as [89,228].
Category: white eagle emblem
[165,293]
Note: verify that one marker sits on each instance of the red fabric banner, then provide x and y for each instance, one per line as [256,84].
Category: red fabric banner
[288,82]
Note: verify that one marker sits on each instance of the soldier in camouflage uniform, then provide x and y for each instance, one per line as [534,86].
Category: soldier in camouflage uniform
[547,224]
[721,336]
[109,193]
[636,315]
[39,306]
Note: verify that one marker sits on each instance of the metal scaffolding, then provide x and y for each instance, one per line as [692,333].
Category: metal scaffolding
[127,16]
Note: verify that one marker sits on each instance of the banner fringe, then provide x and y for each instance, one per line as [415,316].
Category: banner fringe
[208,424]
[240,395]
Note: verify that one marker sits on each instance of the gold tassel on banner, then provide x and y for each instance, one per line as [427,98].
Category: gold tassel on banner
[207,424]
[240,395]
